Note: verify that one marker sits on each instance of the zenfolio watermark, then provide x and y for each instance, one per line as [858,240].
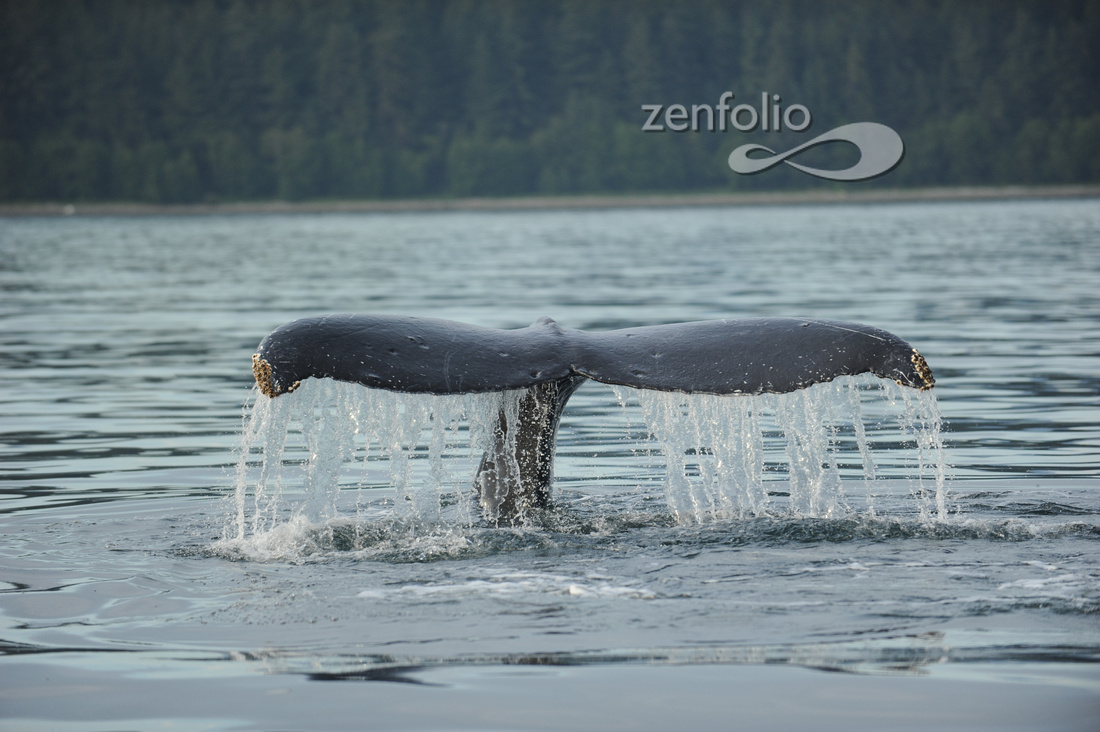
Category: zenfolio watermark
[880,148]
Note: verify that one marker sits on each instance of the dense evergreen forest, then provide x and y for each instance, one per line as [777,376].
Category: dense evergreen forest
[223,100]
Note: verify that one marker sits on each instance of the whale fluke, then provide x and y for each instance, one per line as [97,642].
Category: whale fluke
[429,356]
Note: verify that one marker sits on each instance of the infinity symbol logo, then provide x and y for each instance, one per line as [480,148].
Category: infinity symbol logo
[880,150]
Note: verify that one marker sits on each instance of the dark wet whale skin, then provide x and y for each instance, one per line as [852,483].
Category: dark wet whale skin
[423,355]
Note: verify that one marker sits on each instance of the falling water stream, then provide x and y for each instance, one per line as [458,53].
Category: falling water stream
[724,457]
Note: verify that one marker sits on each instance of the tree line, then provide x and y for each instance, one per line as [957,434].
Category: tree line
[222,100]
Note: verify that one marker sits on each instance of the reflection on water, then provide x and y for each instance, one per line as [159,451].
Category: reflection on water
[825,529]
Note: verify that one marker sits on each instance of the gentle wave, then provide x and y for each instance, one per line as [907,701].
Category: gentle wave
[392,541]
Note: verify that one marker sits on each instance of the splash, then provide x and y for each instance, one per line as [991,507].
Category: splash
[314,463]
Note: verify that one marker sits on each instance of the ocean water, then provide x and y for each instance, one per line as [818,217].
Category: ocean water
[707,561]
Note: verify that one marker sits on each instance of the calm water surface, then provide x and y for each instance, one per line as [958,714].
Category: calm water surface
[125,347]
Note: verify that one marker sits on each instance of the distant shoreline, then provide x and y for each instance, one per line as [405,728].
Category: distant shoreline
[519,203]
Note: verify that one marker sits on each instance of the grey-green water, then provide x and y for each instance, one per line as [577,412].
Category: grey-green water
[125,350]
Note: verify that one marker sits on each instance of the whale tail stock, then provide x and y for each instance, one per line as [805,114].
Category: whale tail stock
[548,363]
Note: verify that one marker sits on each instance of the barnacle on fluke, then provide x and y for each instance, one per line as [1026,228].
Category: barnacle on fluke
[261,369]
[923,370]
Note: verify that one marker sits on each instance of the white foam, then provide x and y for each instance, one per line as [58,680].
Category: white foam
[514,584]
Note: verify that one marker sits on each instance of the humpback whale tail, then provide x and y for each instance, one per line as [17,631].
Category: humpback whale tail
[548,362]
